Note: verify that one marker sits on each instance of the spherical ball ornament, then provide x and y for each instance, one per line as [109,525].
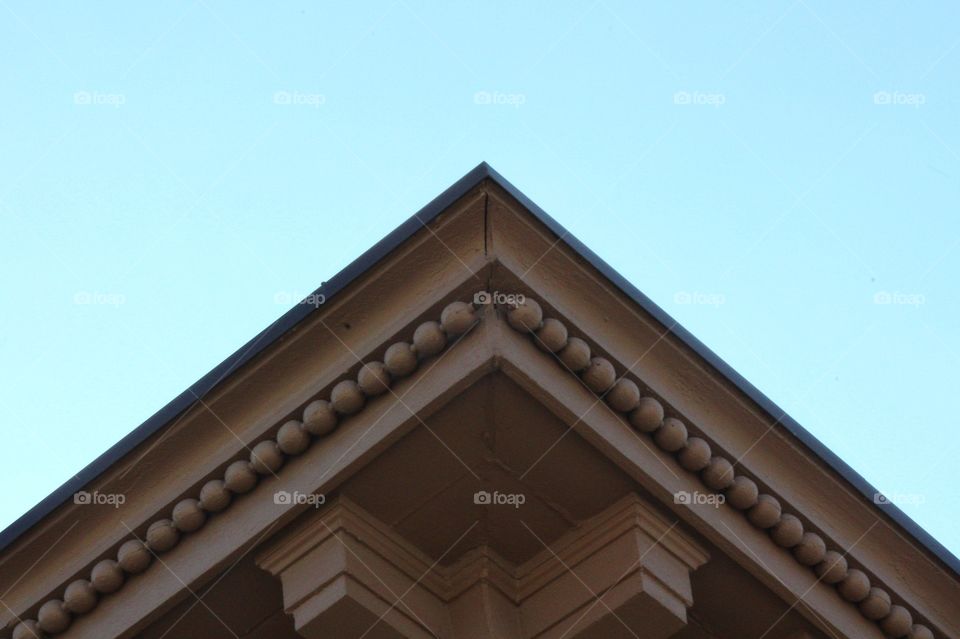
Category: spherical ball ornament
[292,438]
[742,493]
[266,458]
[347,398]
[239,477]
[214,496]
[624,396]
[162,535]
[188,516]
[400,359]
[429,339]
[765,513]
[552,336]
[718,474]
[876,605]
[80,597]
[319,418]
[897,624]
[788,532]
[106,576]
[53,617]
[575,356]
[599,375]
[525,316]
[671,436]
[133,557]
[647,416]
[27,629]
[373,379]
[811,549]
[855,586]
[833,568]
[695,456]
[457,318]
[920,631]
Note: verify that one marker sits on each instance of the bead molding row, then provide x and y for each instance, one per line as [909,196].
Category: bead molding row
[319,418]
[646,415]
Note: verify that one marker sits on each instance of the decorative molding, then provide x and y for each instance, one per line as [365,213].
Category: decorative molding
[320,417]
[647,415]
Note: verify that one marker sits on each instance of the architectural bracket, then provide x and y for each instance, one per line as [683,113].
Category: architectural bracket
[626,568]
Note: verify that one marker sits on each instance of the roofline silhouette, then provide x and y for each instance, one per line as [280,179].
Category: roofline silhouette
[381,249]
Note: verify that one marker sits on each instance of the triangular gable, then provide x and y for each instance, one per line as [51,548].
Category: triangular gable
[499,236]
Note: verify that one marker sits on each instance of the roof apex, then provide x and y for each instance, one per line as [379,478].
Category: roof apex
[471,180]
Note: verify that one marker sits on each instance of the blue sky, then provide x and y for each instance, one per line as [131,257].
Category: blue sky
[781,177]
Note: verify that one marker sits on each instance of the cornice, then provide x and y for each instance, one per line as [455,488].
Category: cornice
[320,417]
[646,414]
[643,412]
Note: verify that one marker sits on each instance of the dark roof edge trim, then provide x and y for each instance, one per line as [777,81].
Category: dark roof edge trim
[865,488]
[381,249]
[263,340]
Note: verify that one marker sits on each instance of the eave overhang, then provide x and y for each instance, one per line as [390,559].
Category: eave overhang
[424,217]
[500,236]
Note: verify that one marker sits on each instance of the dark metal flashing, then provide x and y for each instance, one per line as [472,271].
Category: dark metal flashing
[262,341]
[381,249]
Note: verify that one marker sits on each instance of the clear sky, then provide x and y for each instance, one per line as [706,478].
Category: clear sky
[781,177]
